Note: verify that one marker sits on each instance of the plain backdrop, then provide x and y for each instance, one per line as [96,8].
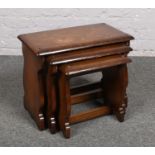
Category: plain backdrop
[138,22]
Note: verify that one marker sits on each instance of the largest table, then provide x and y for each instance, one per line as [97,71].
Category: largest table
[41,49]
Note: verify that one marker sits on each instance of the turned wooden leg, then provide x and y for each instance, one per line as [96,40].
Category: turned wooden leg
[65,105]
[115,81]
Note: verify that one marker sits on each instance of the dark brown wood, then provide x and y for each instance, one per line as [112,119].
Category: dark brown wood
[115,81]
[81,50]
[73,38]
[87,96]
[87,115]
[85,88]
[65,105]
[86,92]
[88,66]
[34,100]
[117,93]
[39,80]
[51,90]
[89,53]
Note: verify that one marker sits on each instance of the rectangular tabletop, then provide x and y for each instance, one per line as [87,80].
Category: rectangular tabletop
[73,38]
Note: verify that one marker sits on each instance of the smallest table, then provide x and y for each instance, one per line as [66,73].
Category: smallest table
[46,53]
[113,86]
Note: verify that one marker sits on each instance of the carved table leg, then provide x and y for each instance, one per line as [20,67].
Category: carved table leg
[51,110]
[115,81]
[65,105]
[34,100]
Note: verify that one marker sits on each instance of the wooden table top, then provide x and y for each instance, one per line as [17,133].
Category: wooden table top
[73,38]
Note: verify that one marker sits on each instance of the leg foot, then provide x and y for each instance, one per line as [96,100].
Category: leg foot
[52,125]
[41,121]
[67,131]
[38,118]
[121,110]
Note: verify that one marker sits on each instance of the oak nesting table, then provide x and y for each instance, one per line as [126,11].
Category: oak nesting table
[52,57]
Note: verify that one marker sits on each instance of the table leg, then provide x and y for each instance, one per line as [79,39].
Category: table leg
[34,100]
[65,105]
[52,97]
[115,81]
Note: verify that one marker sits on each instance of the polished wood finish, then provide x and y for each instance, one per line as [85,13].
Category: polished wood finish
[115,81]
[83,67]
[73,38]
[85,88]
[86,92]
[45,51]
[43,77]
[33,80]
[65,105]
[117,89]
[51,90]
[83,97]
[96,112]
[89,53]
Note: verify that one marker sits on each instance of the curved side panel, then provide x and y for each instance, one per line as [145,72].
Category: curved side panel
[33,80]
